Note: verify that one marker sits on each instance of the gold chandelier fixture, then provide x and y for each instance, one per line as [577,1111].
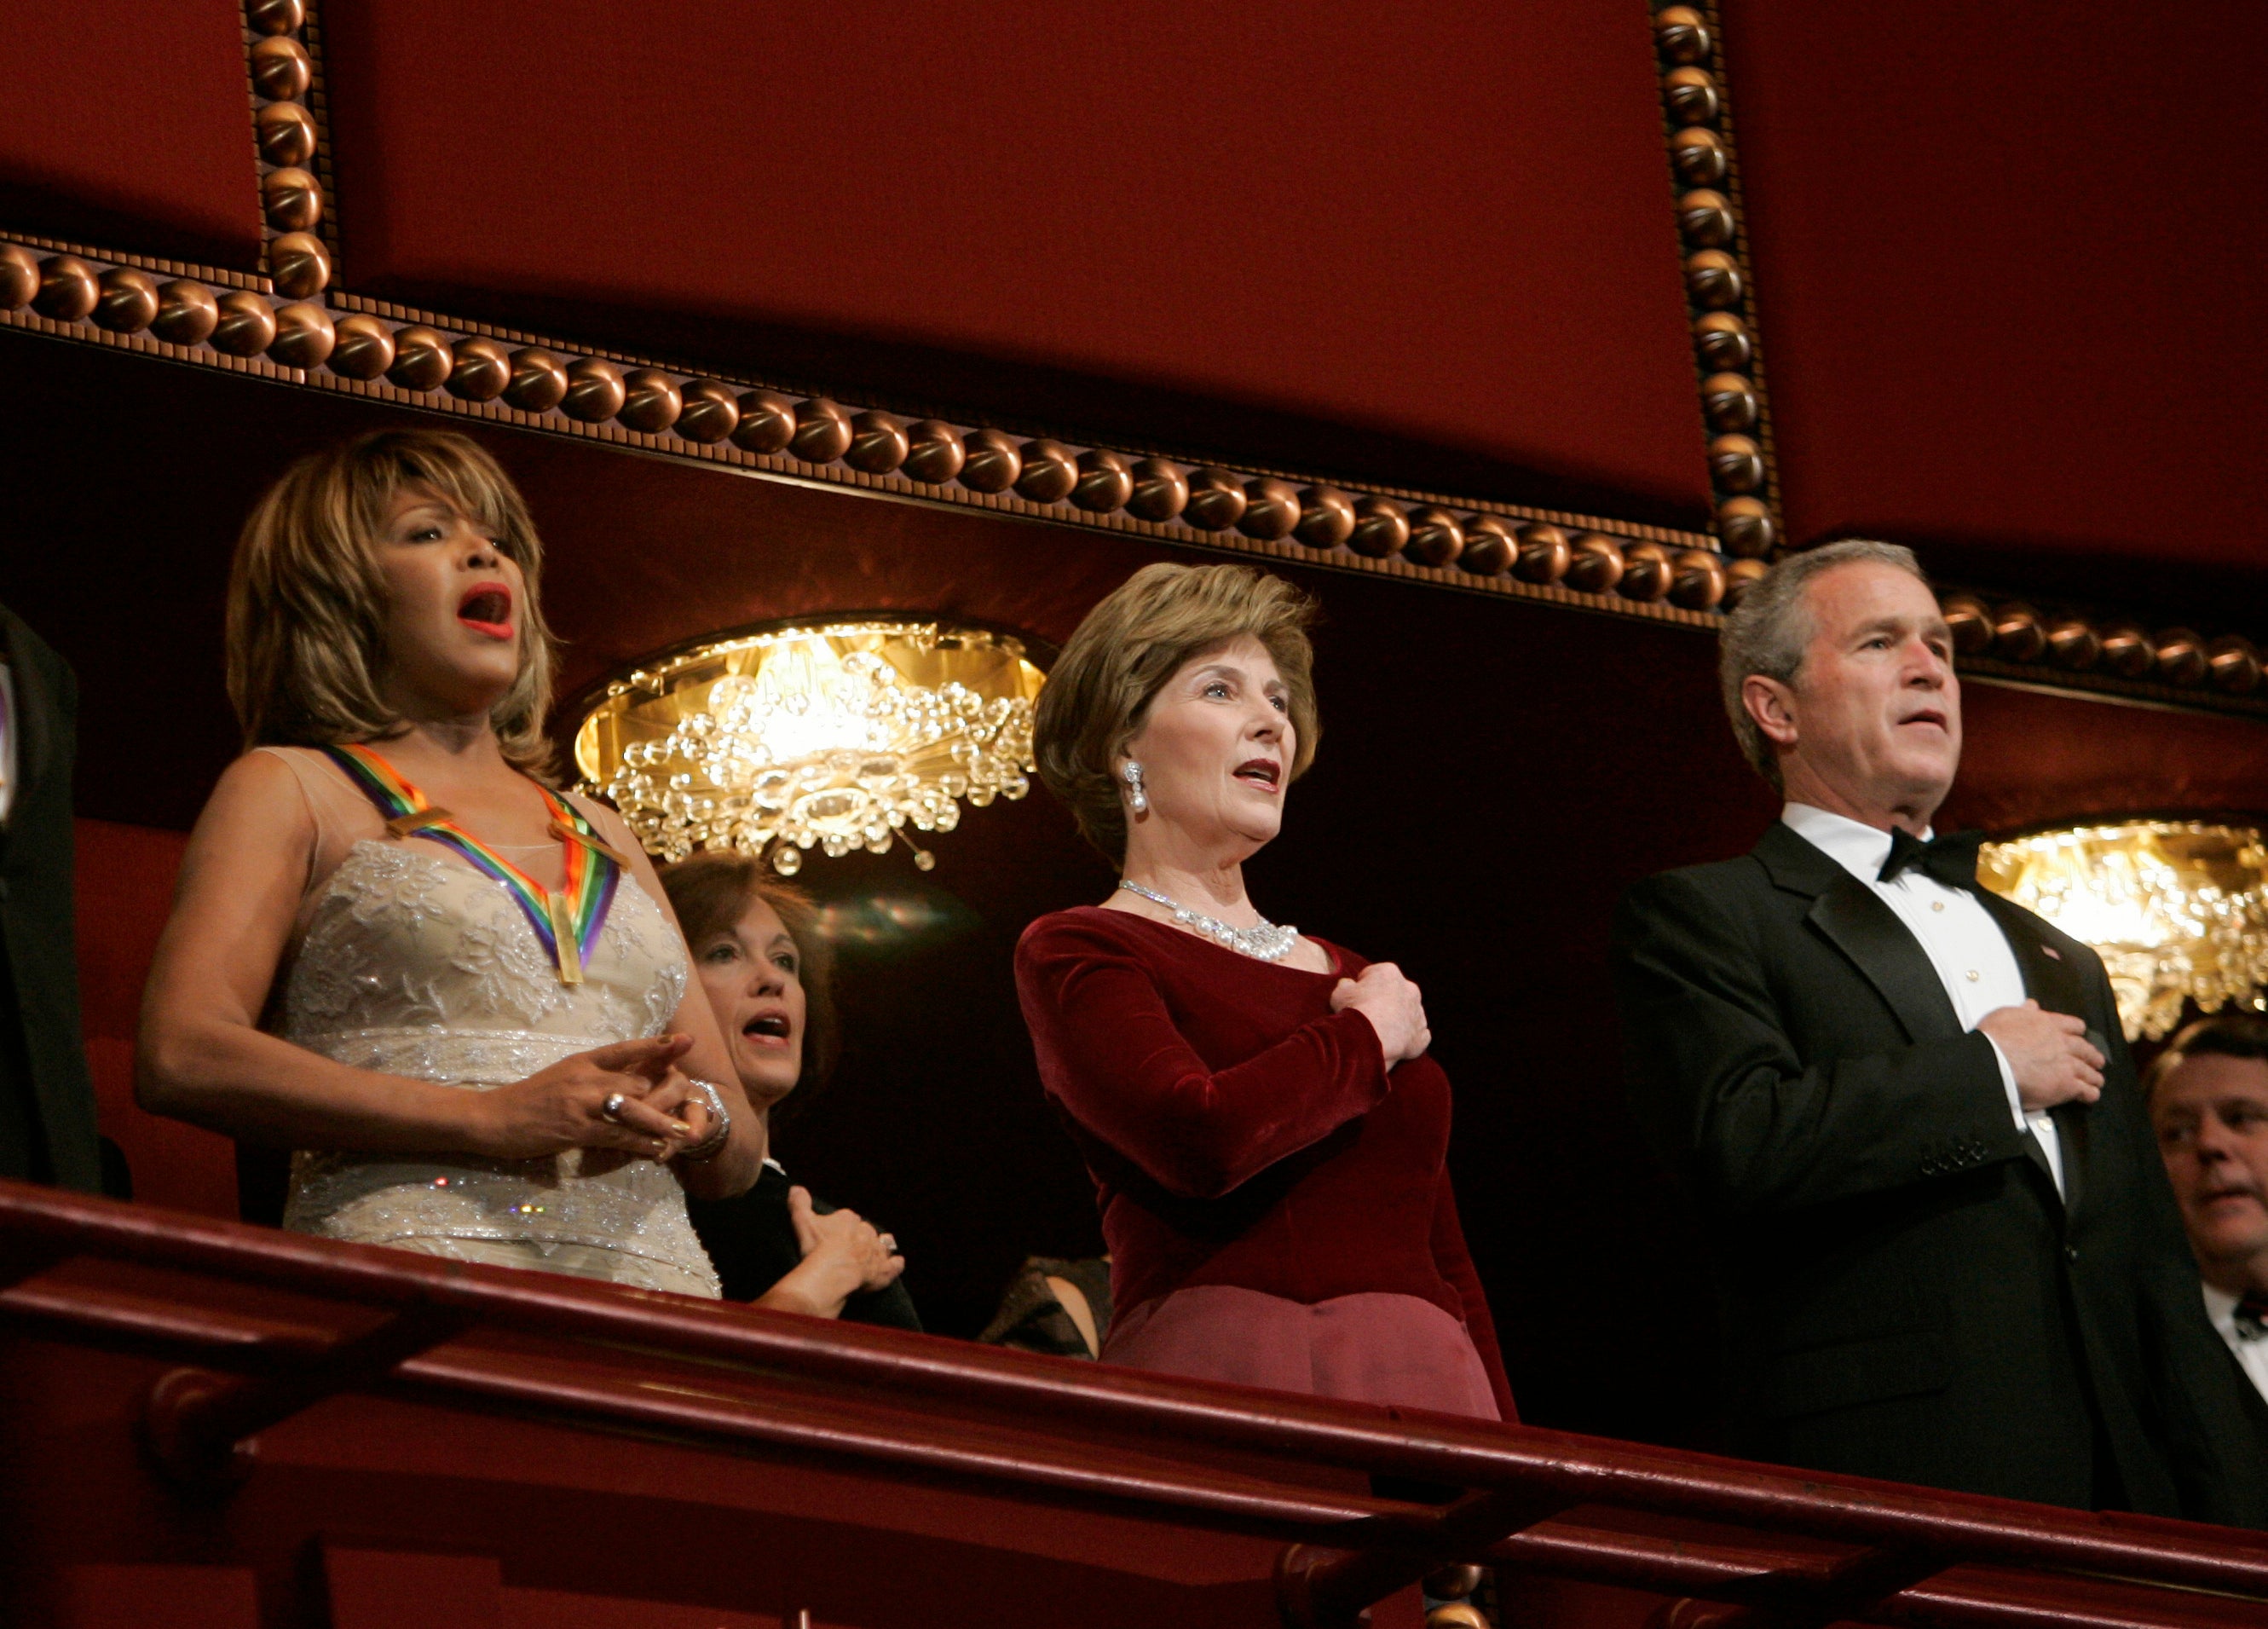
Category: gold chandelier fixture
[2178,910]
[832,736]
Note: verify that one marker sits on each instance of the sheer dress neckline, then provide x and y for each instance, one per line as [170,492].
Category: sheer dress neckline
[345,819]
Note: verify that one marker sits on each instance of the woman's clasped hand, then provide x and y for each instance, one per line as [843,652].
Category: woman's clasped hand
[657,1113]
[1383,995]
[843,1255]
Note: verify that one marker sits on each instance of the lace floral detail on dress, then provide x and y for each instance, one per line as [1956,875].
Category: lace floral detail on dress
[347,963]
[405,935]
[625,934]
[505,971]
[416,964]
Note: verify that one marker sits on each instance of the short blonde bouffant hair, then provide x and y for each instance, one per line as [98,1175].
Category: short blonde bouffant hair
[306,602]
[1099,692]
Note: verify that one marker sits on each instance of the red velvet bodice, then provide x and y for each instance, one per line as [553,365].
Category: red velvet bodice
[1239,1131]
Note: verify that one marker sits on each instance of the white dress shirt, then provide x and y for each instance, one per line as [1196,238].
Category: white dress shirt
[2251,1356]
[1962,941]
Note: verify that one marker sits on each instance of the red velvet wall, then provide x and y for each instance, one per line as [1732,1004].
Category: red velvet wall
[125,890]
[130,127]
[2009,262]
[1446,223]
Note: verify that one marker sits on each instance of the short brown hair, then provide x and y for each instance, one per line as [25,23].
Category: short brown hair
[306,604]
[2224,1034]
[1771,629]
[1159,619]
[711,891]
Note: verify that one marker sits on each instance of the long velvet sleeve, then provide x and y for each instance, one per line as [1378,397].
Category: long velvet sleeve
[1109,1047]
[1456,1264]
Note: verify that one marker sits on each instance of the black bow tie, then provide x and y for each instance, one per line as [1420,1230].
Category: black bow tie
[1951,859]
[2252,1316]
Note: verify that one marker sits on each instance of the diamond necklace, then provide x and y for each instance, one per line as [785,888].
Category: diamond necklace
[1267,942]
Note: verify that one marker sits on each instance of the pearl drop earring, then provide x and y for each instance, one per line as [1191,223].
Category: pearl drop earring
[1137,799]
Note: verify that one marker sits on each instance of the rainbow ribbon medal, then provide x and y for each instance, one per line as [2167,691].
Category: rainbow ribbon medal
[566,924]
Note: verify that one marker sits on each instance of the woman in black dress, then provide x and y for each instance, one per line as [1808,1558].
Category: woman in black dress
[760,958]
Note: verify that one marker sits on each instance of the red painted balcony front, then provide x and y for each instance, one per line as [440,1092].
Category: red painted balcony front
[214,1425]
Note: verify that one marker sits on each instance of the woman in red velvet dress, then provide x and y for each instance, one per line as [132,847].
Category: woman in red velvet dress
[1267,1136]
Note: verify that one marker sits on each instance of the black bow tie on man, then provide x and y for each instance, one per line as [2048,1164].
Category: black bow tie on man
[1951,858]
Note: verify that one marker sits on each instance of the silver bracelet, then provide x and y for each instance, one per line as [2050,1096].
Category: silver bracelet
[720,1123]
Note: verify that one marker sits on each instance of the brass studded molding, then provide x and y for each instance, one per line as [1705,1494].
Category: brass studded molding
[291,153]
[203,316]
[418,358]
[1995,638]
[2081,650]
[294,325]
[1720,288]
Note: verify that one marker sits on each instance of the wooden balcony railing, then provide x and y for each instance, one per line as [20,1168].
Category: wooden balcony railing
[230,1335]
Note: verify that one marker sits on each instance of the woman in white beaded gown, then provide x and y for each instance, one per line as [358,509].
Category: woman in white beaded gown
[458,995]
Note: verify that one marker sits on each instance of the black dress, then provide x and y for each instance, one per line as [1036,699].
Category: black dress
[751,1239]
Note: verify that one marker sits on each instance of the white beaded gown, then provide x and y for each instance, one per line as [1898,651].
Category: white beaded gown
[411,963]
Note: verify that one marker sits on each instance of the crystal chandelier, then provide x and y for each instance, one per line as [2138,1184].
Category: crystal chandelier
[2176,908]
[833,735]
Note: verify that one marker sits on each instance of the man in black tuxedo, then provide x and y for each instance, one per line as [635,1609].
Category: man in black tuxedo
[1946,1250]
[47,1102]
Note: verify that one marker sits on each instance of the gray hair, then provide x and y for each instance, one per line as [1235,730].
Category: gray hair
[1771,629]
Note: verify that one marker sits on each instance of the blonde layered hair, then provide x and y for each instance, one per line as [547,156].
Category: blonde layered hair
[307,603]
[1162,617]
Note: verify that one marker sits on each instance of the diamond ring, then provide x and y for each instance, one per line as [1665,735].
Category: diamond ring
[612,1108]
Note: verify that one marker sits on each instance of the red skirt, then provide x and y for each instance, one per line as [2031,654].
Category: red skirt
[1373,1347]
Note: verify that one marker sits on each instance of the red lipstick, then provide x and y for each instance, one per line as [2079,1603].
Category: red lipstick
[486,609]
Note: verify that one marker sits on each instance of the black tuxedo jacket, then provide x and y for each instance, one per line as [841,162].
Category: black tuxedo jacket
[47,1102]
[1904,1293]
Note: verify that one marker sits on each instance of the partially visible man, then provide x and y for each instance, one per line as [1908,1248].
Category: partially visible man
[47,1101]
[1944,1246]
[2208,1092]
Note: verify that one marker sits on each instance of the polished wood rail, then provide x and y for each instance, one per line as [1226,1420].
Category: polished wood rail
[245,1398]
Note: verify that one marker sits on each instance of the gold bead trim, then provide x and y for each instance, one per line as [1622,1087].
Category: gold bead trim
[2071,648]
[1705,177]
[240,323]
[290,145]
[421,359]
[293,326]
